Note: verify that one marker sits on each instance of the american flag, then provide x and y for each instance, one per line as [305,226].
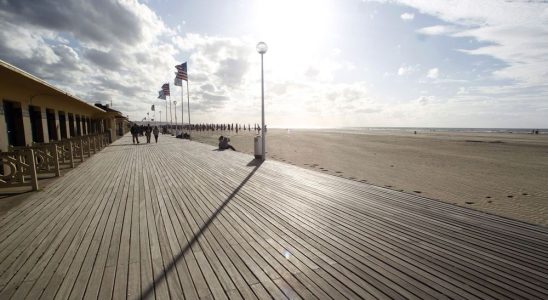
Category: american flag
[177,81]
[165,89]
[181,72]
[161,95]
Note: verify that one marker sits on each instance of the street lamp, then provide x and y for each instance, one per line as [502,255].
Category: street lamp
[262,48]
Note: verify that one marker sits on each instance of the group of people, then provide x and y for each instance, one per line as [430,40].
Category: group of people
[137,130]
[216,127]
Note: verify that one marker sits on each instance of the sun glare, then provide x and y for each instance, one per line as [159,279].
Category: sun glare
[293,26]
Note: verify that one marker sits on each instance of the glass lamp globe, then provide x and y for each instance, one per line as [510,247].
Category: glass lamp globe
[262,47]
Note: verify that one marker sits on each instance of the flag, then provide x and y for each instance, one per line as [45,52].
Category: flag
[165,89]
[177,81]
[181,72]
[161,95]
[152,108]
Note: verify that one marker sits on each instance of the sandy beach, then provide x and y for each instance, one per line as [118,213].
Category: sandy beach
[500,173]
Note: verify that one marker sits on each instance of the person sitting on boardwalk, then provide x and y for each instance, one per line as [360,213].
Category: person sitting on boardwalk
[156,132]
[135,133]
[223,143]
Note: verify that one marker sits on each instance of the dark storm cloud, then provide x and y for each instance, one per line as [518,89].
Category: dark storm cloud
[105,22]
[111,85]
[108,60]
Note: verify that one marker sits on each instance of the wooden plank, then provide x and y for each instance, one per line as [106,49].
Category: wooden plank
[46,250]
[161,221]
[71,274]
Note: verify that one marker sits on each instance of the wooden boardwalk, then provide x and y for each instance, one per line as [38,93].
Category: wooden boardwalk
[180,220]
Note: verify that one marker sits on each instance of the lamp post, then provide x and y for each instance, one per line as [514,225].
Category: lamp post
[262,48]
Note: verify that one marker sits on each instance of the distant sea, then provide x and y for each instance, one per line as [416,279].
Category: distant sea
[441,129]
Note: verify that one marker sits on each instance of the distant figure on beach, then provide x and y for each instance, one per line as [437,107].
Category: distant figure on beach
[135,133]
[156,132]
[148,131]
[223,143]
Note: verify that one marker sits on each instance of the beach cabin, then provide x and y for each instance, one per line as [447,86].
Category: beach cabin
[34,111]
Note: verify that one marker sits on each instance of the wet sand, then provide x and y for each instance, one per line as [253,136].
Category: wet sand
[500,173]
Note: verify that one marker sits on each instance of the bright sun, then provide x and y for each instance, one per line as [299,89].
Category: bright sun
[293,23]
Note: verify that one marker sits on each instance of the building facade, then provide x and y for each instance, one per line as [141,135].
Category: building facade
[33,111]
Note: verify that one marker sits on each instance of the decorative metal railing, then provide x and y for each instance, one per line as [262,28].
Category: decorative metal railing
[21,165]
[18,169]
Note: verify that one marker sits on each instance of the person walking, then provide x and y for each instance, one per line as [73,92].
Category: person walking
[148,131]
[135,133]
[156,132]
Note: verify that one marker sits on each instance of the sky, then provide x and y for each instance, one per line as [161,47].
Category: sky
[330,63]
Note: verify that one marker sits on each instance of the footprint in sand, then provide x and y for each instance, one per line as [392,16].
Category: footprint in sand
[488,197]
[510,196]
[363,180]
[391,166]
[388,186]
[525,194]
[325,170]
[418,192]
[352,178]
[338,172]
[469,202]
[490,201]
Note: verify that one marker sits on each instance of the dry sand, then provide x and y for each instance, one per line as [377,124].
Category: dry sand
[501,173]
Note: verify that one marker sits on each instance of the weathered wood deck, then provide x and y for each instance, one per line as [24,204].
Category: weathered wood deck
[177,219]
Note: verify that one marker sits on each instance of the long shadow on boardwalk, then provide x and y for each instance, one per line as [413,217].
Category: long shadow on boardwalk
[150,289]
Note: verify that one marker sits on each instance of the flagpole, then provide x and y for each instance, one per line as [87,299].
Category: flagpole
[175,113]
[188,101]
[170,116]
[182,109]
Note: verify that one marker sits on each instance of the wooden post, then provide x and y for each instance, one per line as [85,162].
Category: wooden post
[71,151]
[89,146]
[81,149]
[32,170]
[92,139]
[55,154]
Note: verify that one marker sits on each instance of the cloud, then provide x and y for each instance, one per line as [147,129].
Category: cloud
[407,16]
[100,22]
[425,100]
[516,32]
[99,51]
[437,30]
[407,70]
[433,73]
[112,60]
